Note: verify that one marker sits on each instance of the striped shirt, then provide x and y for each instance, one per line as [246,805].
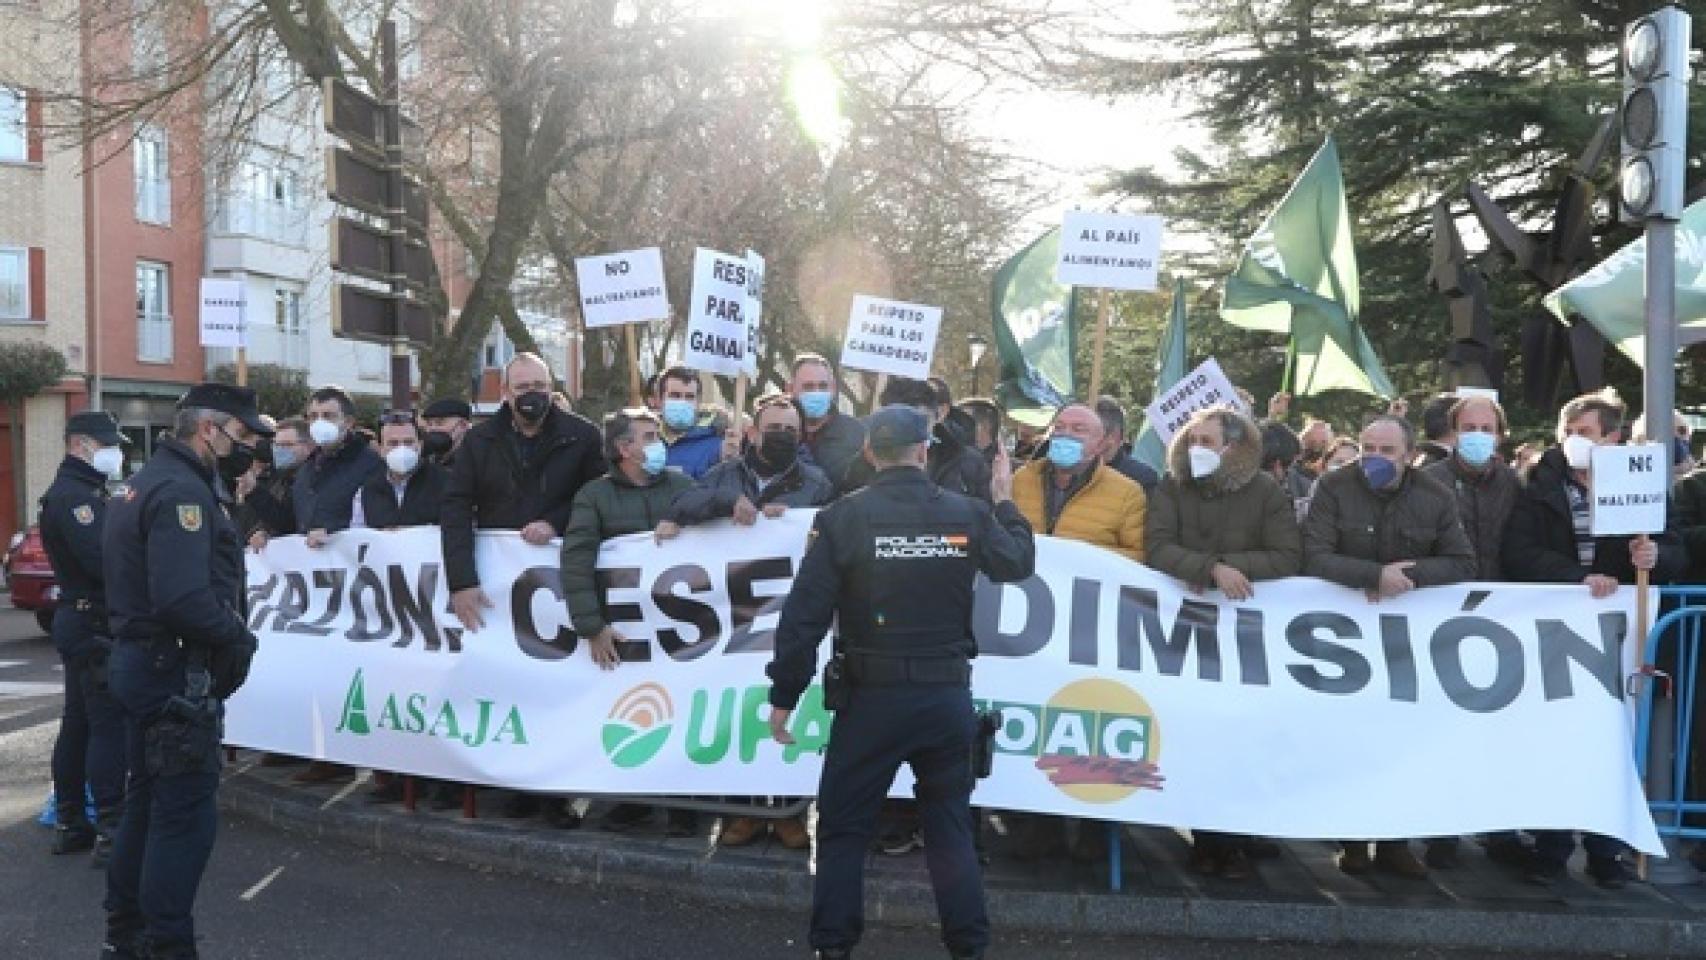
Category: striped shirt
[1580,518]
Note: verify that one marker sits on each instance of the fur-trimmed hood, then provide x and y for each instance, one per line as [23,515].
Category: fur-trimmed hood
[1238,462]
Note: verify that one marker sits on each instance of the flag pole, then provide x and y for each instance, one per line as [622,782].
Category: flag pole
[1102,312]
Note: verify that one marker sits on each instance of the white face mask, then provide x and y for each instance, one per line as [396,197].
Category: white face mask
[108,460]
[1203,461]
[403,460]
[324,432]
[1578,450]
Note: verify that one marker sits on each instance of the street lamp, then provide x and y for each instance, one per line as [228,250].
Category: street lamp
[979,346]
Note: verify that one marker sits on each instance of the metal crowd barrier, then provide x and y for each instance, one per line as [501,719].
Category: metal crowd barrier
[1668,697]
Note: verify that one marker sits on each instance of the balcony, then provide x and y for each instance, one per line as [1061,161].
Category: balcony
[154,337]
[154,201]
[270,220]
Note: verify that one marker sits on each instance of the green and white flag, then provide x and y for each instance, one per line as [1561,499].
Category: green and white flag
[1298,275]
[1171,365]
[1612,296]
[1033,332]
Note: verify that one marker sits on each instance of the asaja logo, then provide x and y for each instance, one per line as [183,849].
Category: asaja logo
[1097,740]
[409,713]
[638,726]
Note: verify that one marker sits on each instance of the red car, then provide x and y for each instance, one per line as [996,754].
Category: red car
[31,577]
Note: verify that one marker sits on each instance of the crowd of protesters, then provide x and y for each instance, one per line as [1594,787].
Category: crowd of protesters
[1235,502]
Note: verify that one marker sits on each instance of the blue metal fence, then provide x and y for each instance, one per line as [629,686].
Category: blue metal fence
[1666,714]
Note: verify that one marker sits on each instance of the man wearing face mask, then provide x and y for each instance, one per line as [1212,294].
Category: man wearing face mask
[832,440]
[1218,520]
[1385,529]
[954,465]
[342,462]
[269,510]
[89,751]
[693,449]
[1069,492]
[444,423]
[410,492]
[769,479]
[518,470]
[635,495]
[1549,539]
[173,567]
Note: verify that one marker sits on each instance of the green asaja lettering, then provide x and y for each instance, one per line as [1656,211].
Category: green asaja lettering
[408,714]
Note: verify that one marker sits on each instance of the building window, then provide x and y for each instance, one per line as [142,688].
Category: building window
[153,178]
[14,140]
[266,201]
[153,317]
[287,310]
[14,283]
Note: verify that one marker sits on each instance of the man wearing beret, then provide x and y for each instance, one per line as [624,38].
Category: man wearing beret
[173,566]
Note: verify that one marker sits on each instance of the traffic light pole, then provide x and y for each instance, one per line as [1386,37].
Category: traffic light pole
[1658,390]
[392,97]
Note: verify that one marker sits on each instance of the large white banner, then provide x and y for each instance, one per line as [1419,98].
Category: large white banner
[1303,712]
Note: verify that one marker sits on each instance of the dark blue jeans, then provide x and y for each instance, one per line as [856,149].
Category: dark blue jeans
[169,822]
[89,751]
[929,727]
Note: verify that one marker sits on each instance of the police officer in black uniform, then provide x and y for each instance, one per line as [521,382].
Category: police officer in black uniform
[896,563]
[88,756]
[174,573]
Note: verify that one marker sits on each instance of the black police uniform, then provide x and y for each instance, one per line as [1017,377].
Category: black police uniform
[88,755]
[174,569]
[896,564]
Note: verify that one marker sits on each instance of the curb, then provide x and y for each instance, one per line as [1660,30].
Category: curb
[599,862]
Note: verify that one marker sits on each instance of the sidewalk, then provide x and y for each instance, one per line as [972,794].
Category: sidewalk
[1300,896]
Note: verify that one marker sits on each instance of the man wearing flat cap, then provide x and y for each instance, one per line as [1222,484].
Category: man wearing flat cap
[174,572]
[89,752]
[893,566]
[443,424]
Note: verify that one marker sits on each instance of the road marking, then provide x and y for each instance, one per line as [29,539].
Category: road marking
[255,890]
[344,794]
[22,689]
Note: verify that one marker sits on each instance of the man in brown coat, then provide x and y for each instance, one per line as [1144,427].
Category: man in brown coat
[1385,529]
[1219,520]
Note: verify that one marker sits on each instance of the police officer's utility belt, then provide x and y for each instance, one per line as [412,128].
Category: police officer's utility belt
[862,668]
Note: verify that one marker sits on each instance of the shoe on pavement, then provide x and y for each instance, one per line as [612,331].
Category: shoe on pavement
[391,791]
[681,823]
[1611,873]
[1509,851]
[1395,857]
[1354,859]
[72,838]
[791,833]
[1542,871]
[1204,862]
[560,813]
[626,816]
[321,771]
[738,832]
[1261,848]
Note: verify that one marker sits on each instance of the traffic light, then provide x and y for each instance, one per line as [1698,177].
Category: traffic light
[1654,115]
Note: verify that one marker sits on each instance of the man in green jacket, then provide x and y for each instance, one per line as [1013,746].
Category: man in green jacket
[632,498]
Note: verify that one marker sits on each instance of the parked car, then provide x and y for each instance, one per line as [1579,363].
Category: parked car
[31,577]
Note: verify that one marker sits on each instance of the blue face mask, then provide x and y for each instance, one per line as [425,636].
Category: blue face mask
[1379,471]
[656,456]
[283,458]
[1065,452]
[816,403]
[1476,447]
[680,414]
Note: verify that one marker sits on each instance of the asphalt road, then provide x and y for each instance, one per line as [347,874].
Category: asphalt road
[270,895]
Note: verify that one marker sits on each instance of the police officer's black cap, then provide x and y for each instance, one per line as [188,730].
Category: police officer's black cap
[894,427]
[97,425]
[225,398]
[448,407]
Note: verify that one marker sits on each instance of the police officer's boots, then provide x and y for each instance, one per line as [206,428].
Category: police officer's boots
[71,830]
[106,831]
[124,939]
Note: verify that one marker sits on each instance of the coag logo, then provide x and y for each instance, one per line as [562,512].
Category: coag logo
[638,726]
[1096,740]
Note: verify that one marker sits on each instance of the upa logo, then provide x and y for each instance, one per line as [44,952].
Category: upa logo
[638,726]
[1097,741]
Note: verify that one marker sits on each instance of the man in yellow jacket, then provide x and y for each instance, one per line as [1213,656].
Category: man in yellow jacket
[1070,493]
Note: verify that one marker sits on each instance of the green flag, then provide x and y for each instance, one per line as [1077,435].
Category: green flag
[1612,296]
[1033,332]
[1171,366]
[1298,275]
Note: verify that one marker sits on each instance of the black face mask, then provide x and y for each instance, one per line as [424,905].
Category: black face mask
[236,463]
[436,443]
[533,405]
[779,448]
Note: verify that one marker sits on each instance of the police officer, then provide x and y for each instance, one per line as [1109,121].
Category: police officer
[896,563]
[89,753]
[174,569]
